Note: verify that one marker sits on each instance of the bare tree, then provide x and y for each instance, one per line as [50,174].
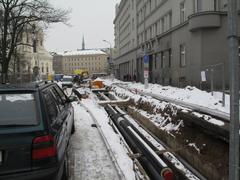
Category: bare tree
[16,16]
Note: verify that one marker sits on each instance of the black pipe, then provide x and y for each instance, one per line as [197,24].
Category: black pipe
[148,167]
[123,126]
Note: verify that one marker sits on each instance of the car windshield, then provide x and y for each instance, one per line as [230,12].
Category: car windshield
[18,109]
[67,79]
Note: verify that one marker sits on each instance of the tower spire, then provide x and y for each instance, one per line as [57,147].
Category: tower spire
[83,44]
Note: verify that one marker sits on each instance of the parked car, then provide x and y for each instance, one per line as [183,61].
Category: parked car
[36,122]
[67,81]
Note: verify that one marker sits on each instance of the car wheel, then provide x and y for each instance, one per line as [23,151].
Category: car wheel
[65,175]
[73,128]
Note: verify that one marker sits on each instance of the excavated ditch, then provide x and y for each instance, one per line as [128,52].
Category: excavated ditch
[205,151]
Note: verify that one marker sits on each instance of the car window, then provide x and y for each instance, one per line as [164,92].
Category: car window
[61,94]
[57,98]
[18,109]
[52,108]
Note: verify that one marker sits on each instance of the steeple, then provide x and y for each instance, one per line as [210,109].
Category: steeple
[83,44]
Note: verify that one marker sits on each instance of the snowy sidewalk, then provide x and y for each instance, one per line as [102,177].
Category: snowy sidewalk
[89,158]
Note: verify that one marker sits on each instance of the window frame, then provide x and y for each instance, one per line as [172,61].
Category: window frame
[182,55]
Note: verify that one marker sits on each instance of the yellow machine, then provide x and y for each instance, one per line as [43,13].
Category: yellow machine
[81,72]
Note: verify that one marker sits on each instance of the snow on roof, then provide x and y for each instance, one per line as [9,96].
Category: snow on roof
[83,52]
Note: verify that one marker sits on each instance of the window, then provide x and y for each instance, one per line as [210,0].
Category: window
[169,57]
[34,46]
[182,55]
[156,28]
[156,56]
[162,25]
[170,20]
[51,106]
[182,12]
[197,6]
[18,109]
[239,50]
[162,59]
[216,5]
[56,98]
[150,32]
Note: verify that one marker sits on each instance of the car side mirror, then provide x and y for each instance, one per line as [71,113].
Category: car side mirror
[72,99]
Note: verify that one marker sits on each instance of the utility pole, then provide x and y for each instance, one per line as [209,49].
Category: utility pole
[110,57]
[234,90]
[145,57]
[223,85]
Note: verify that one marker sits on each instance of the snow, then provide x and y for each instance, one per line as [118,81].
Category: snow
[168,155]
[82,52]
[17,97]
[89,112]
[113,140]
[194,146]
[89,156]
[189,94]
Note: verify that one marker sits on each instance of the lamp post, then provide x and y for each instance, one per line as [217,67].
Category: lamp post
[110,56]
[234,89]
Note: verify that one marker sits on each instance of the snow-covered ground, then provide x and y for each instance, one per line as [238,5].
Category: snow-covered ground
[99,153]
[95,156]
[189,94]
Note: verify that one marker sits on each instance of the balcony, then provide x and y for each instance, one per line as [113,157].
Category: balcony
[202,20]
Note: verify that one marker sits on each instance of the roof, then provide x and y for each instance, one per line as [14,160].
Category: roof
[24,86]
[83,52]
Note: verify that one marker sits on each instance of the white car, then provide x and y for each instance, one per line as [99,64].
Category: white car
[67,81]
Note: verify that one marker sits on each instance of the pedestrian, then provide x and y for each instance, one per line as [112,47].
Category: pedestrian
[134,77]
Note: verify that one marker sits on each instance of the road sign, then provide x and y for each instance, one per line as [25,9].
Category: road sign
[146,59]
[203,76]
[146,73]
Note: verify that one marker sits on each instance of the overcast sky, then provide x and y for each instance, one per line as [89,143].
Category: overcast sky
[91,18]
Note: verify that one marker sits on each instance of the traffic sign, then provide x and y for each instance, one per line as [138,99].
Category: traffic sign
[146,59]
[146,73]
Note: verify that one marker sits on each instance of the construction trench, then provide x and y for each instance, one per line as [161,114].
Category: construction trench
[208,161]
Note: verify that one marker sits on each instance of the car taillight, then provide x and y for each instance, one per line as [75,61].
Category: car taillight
[167,174]
[43,147]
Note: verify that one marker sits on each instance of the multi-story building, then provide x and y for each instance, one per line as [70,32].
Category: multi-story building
[94,61]
[180,37]
[125,38]
[57,63]
[91,60]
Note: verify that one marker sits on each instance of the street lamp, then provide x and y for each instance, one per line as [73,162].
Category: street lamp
[110,57]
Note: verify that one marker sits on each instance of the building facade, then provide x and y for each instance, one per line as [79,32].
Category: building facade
[33,56]
[182,38]
[93,61]
[125,31]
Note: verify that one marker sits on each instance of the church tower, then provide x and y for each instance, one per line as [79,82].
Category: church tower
[83,44]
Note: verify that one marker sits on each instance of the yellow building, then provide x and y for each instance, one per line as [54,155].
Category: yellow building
[93,61]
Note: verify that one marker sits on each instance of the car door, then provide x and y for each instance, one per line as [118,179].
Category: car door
[56,122]
[68,109]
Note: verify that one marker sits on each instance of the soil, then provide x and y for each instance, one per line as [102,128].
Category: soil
[212,157]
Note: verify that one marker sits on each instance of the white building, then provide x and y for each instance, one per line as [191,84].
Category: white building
[33,55]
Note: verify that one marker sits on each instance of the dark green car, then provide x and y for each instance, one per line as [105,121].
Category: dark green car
[36,122]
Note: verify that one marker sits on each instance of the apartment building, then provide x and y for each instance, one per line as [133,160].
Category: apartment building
[125,38]
[182,38]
